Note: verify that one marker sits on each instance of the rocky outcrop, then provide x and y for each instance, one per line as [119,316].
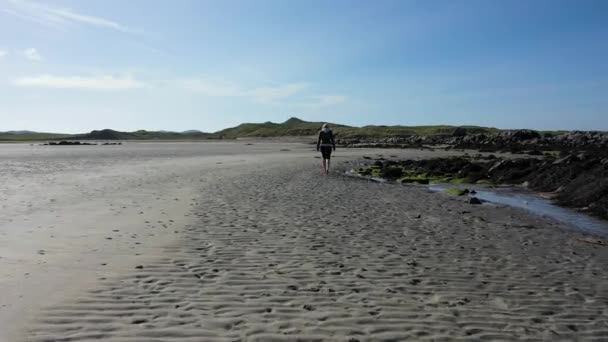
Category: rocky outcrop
[578,180]
[514,141]
[67,143]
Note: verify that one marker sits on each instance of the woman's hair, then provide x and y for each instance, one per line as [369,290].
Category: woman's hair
[325,125]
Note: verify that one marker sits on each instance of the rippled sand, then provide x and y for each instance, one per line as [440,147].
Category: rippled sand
[235,242]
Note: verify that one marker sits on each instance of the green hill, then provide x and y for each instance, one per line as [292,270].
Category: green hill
[297,127]
[30,136]
[291,127]
[108,134]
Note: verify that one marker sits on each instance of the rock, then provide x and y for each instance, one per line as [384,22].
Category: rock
[515,140]
[534,153]
[139,267]
[474,200]
[525,135]
[565,160]
[392,172]
[459,132]
[496,166]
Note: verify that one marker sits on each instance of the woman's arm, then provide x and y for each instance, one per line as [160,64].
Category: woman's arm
[319,141]
[331,137]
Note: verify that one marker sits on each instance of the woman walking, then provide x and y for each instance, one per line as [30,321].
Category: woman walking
[325,144]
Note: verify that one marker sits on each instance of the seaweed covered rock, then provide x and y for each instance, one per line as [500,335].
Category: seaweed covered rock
[392,172]
[577,180]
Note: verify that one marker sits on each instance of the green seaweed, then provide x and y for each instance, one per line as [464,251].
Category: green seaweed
[440,179]
[485,182]
[456,191]
[461,181]
[551,153]
[364,171]
[409,175]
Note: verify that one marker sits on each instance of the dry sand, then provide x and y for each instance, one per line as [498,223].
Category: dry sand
[235,242]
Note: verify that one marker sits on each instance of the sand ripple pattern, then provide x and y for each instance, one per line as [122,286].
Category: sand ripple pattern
[290,255]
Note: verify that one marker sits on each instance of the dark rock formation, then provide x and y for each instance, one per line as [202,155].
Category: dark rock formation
[577,180]
[67,143]
[474,200]
[518,141]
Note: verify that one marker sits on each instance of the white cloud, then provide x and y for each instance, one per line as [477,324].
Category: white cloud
[105,82]
[289,93]
[3,53]
[328,100]
[90,20]
[263,94]
[32,54]
[60,17]
[208,87]
[276,93]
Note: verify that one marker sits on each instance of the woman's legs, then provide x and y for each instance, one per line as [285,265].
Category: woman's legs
[326,155]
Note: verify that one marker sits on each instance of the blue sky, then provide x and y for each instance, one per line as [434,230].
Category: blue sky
[74,66]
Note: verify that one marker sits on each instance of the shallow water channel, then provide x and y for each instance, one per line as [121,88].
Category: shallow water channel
[519,198]
[523,199]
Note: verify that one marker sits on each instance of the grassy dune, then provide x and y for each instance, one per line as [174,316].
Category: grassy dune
[291,127]
[31,136]
[297,127]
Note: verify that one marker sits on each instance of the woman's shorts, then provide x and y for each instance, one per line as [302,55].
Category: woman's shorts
[326,152]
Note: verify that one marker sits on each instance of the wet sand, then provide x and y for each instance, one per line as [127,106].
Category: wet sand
[231,242]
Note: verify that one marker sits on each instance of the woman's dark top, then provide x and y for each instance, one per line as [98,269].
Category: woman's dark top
[326,138]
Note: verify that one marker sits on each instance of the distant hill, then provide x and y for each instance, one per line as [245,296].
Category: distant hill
[297,127]
[108,134]
[291,127]
[105,134]
[30,136]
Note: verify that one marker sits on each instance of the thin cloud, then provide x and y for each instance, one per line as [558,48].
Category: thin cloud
[90,20]
[262,94]
[105,82]
[208,87]
[328,100]
[32,54]
[276,93]
[61,17]
[3,53]
[283,94]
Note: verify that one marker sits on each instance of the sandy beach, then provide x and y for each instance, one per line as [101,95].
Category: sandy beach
[229,241]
